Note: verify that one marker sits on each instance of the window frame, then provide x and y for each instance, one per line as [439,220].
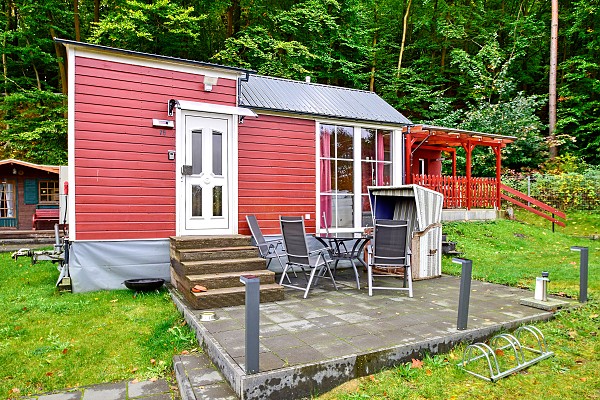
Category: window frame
[396,169]
[56,194]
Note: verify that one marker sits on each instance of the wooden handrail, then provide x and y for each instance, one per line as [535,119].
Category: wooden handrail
[535,202]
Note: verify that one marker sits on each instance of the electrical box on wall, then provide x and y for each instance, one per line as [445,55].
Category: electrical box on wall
[163,123]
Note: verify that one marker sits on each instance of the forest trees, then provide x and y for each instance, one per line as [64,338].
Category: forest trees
[479,65]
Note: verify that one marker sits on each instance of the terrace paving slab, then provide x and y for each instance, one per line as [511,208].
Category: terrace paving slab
[315,344]
[125,390]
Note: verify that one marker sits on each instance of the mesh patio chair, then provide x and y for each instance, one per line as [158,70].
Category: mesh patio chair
[390,252]
[296,249]
[267,249]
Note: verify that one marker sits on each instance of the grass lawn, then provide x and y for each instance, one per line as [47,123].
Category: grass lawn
[513,253]
[51,341]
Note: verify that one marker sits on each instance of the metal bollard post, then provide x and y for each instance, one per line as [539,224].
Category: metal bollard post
[252,321]
[464,292]
[583,272]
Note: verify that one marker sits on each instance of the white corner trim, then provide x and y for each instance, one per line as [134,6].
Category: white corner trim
[215,108]
[71,143]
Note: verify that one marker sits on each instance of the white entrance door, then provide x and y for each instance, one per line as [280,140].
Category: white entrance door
[205,175]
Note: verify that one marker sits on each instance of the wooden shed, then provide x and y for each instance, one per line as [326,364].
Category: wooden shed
[24,189]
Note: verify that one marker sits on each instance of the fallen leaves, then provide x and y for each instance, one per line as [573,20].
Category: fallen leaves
[416,363]
[573,334]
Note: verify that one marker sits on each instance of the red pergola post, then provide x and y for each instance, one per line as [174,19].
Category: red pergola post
[468,149]
[497,151]
[408,143]
[454,163]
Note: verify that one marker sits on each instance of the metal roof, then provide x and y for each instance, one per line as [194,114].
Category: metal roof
[297,97]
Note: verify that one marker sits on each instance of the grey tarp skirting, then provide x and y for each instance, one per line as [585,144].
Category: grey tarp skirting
[100,265]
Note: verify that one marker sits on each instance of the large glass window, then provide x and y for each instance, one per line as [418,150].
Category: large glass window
[349,163]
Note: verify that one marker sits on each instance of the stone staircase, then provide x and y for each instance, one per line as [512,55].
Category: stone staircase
[217,262]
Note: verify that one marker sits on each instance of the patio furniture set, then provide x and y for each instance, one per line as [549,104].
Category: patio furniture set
[388,249]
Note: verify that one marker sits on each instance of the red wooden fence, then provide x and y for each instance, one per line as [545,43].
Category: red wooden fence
[483,191]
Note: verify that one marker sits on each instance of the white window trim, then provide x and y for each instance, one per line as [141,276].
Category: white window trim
[397,167]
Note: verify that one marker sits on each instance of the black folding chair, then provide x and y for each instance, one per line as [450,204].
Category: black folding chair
[267,249]
[296,249]
[390,252]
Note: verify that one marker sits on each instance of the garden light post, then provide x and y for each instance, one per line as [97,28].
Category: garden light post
[252,284]
[583,272]
[464,292]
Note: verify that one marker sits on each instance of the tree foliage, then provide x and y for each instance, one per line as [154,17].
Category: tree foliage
[479,65]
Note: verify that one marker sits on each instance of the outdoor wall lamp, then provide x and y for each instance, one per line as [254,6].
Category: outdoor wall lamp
[209,82]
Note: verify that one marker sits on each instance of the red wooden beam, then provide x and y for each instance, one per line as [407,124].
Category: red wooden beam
[533,210]
[533,201]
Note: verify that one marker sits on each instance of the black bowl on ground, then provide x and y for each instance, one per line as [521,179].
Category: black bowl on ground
[144,284]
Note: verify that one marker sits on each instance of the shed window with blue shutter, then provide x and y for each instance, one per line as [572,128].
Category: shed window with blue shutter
[31,191]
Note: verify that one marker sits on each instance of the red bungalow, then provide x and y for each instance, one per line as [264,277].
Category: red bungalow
[162,147]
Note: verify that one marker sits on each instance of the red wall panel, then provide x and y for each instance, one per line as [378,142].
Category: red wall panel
[277,171]
[125,185]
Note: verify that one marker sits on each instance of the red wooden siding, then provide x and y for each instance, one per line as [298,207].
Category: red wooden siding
[125,185]
[277,173]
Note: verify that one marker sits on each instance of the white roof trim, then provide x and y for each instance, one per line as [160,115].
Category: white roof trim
[215,108]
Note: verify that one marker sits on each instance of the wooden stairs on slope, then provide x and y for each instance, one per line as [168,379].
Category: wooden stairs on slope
[217,262]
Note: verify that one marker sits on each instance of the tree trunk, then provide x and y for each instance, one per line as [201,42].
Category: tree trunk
[234,13]
[96,11]
[76,15]
[37,75]
[373,64]
[404,24]
[10,8]
[61,58]
[552,83]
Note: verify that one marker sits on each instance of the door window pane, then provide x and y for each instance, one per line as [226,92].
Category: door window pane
[345,176]
[217,154]
[218,201]
[197,152]
[384,140]
[367,219]
[196,201]
[343,211]
[345,142]
[367,144]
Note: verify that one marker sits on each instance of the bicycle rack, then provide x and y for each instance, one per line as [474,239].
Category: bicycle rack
[505,354]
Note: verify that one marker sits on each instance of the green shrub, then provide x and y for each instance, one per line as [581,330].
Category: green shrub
[565,191]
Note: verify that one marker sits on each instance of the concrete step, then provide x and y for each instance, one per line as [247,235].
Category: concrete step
[218,266]
[229,279]
[199,242]
[232,296]
[206,254]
